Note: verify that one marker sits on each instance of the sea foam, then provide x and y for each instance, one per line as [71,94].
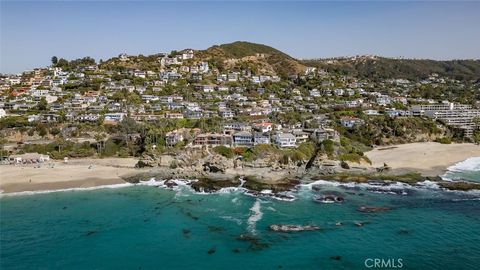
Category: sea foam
[25,193]
[471,164]
[255,215]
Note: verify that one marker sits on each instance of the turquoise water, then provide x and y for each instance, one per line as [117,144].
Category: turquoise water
[143,227]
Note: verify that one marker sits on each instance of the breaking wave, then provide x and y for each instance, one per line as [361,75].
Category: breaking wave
[471,164]
[26,193]
[255,215]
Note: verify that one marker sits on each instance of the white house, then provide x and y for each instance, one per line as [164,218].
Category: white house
[114,117]
[285,140]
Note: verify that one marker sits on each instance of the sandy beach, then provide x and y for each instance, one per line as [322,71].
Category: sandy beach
[427,158]
[77,173]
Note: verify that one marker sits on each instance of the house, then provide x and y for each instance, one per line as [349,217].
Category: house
[208,88]
[315,93]
[88,117]
[203,67]
[212,139]
[322,134]
[171,115]
[187,54]
[285,140]
[263,127]
[232,77]
[261,138]
[243,138]
[173,137]
[123,57]
[193,114]
[371,112]
[300,136]
[148,98]
[227,114]
[113,118]
[138,73]
[383,100]
[350,122]
[238,126]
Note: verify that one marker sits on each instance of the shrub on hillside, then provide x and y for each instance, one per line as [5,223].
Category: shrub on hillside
[224,151]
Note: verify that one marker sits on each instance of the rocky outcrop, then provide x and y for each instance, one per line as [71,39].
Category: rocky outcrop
[256,183]
[293,228]
[214,184]
[216,164]
[328,198]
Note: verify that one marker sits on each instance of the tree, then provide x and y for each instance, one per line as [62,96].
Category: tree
[63,63]
[476,121]
[42,105]
[476,137]
[54,60]
[42,130]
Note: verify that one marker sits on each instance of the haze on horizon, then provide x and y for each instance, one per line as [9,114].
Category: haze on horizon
[32,32]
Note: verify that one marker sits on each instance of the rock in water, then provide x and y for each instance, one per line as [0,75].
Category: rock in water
[328,198]
[293,228]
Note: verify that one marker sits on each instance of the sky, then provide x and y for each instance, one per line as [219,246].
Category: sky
[32,32]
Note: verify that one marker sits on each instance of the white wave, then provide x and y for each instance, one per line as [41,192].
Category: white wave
[255,215]
[152,182]
[428,184]
[26,193]
[394,188]
[470,164]
[242,181]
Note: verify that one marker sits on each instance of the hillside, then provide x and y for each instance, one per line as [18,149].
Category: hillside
[262,57]
[381,68]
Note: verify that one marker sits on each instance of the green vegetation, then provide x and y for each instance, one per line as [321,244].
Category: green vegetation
[241,49]
[282,63]
[444,140]
[13,122]
[413,69]
[382,130]
[224,151]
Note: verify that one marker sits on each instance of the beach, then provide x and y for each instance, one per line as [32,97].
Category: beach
[427,158]
[77,173]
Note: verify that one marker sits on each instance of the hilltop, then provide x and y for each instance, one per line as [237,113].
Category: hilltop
[257,56]
[232,56]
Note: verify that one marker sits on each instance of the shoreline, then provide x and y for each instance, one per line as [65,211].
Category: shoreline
[427,159]
[57,175]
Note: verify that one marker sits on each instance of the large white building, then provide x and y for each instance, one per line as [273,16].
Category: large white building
[285,140]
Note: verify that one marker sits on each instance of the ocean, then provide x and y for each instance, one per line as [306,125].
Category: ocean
[148,227]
